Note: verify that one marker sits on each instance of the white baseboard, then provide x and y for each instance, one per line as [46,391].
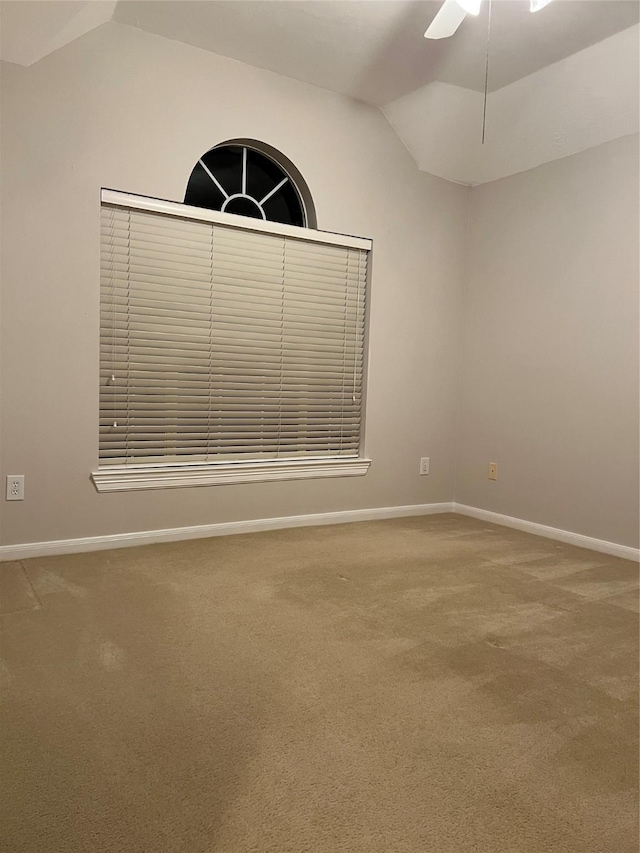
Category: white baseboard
[577,539]
[148,537]
[203,531]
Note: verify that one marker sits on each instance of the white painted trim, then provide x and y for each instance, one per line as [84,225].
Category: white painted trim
[148,537]
[186,211]
[567,536]
[244,195]
[273,191]
[216,182]
[125,478]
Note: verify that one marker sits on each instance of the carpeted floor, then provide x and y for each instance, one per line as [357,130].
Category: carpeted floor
[421,685]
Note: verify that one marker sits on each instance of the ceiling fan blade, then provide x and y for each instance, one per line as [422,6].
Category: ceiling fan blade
[447,21]
[536,5]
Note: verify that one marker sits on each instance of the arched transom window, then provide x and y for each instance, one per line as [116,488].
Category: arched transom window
[242,180]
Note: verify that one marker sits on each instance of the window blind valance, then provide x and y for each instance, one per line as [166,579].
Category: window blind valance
[225,341]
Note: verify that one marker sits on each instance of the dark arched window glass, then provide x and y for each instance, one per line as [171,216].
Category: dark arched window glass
[242,180]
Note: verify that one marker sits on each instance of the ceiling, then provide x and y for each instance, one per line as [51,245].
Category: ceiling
[32,29]
[561,80]
[374,49]
[585,100]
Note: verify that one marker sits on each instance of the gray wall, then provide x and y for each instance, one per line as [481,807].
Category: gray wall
[549,385]
[550,364]
[123,109]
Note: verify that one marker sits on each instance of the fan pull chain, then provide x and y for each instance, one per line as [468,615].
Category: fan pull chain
[486,76]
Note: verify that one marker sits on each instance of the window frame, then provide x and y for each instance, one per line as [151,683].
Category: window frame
[182,474]
[275,158]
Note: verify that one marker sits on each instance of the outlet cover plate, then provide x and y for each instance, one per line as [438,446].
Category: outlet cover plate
[15,487]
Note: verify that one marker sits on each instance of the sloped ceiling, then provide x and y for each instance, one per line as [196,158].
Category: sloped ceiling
[374,50]
[579,102]
[32,29]
[560,81]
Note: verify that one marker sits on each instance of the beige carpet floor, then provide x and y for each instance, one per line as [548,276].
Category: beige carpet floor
[421,685]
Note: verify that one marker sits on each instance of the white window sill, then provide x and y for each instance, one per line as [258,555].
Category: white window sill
[125,478]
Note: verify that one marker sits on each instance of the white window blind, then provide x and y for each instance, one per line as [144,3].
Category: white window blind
[222,343]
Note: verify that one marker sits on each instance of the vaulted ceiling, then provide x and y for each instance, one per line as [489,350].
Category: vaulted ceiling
[374,50]
[560,80]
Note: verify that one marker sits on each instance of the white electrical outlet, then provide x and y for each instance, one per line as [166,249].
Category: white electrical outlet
[15,487]
[493,470]
[424,465]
